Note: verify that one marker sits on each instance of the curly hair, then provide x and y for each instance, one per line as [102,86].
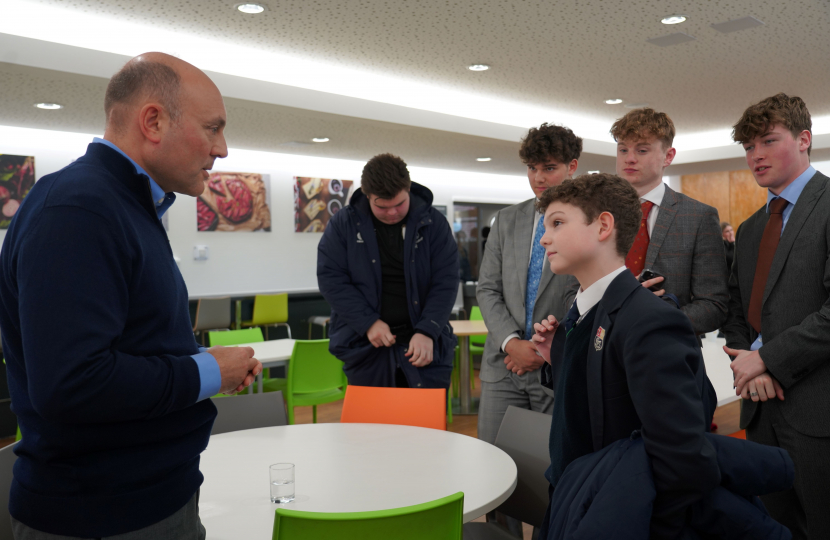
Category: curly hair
[384,176]
[642,124]
[598,193]
[778,110]
[550,142]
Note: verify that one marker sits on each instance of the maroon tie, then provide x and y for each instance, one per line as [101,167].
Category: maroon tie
[766,252]
[636,258]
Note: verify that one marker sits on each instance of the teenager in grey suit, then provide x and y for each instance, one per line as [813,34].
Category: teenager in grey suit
[781,341]
[510,365]
[681,238]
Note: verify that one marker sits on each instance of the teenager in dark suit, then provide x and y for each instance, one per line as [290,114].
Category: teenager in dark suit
[679,237]
[630,360]
[778,329]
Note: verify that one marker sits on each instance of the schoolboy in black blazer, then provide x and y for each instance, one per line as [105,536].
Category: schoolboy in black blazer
[644,369]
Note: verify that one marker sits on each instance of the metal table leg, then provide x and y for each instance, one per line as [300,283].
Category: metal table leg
[467,405]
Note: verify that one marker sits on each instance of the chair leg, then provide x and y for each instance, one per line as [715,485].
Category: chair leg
[472,374]
[266,332]
[290,407]
[449,408]
[287,328]
[309,330]
[314,413]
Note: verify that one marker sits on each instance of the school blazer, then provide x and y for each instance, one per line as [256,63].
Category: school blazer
[687,248]
[646,372]
[795,314]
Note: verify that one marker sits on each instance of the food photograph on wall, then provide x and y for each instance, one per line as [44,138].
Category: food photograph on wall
[17,176]
[234,201]
[316,200]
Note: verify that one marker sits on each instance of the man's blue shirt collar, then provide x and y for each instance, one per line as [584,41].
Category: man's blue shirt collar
[792,192]
[162,200]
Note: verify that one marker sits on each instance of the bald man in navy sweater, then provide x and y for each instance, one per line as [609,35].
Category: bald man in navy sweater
[107,381]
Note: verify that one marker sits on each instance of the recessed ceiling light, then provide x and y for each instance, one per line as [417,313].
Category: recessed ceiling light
[478,67]
[593,172]
[614,101]
[483,159]
[320,139]
[49,106]
[251,9]
[674,19]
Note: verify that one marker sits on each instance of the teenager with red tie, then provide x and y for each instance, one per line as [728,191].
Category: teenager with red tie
[679,238]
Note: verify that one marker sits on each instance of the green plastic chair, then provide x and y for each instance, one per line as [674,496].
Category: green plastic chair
[270,310]
[476,347]
[240,337]
[436,520]
[315,377]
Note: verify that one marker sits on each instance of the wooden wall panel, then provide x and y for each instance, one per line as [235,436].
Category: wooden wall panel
[745,196]
[710,188]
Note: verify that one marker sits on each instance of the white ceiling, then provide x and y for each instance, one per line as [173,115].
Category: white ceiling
[260,126]
[551,61]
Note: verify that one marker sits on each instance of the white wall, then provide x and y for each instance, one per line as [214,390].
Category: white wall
[276,261]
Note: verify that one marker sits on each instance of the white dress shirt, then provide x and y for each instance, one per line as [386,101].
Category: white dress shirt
[655,196]
[591,296]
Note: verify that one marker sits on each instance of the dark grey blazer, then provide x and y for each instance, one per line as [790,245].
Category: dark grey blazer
[686,247]
[795,316]
[502,282]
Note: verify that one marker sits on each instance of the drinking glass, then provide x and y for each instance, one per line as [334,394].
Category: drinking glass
[282,482]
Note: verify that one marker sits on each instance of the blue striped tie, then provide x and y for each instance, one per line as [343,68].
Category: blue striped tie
[534,276]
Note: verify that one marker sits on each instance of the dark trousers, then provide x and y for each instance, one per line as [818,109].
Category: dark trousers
[182,525]
[805,508]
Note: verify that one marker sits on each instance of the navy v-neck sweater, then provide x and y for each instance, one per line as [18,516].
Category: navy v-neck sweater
[98,344]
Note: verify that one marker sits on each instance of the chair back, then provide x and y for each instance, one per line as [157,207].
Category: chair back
[475,315]
[436,520]
[270,309]
[524,435]
[421,407]
[235,413]
[235,337]
[7,459]
[213,313]
[313,368]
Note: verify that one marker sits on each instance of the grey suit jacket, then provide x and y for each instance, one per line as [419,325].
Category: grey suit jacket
[502,282]
[795,314]
[686,247]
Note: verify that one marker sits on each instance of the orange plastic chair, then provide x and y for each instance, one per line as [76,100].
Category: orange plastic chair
[421,407]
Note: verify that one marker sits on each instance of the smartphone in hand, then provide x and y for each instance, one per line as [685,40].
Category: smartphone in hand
[651,274]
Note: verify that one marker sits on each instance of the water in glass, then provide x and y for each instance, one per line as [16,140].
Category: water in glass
[282,491]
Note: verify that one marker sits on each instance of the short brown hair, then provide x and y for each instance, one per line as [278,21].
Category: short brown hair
[598,193]
[384,176]
[144,77]
[643,124]
[550,141]
[778,110]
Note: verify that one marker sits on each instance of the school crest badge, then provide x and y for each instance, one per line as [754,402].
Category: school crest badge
[598,341]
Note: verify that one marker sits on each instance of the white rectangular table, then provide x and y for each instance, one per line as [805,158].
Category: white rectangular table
[717,368]
[272,353]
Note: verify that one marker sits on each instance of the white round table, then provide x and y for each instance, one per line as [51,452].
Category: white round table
[345,468]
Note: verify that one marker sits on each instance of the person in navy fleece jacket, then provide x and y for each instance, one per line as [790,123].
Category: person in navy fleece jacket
[106,378]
